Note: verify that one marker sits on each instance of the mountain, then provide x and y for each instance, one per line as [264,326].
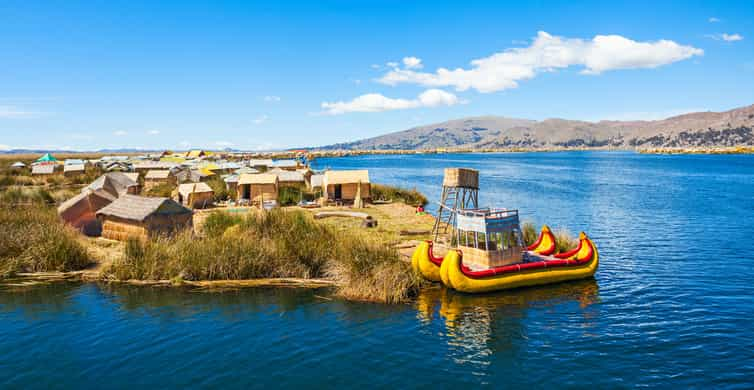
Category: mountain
[699,129]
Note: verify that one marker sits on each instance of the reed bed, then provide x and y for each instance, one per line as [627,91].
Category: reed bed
[276,244]
[410,197]
[564,240]
[32,239]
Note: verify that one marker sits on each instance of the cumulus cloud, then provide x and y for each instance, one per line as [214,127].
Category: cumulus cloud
[548,53]
[375,102]
[261,119]
[120,133]
[272,99]
[412,63]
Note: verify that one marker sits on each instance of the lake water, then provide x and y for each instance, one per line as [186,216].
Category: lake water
[671,304]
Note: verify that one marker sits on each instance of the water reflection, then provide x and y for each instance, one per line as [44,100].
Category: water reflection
[477,326]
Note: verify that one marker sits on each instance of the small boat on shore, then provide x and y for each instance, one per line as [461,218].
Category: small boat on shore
[489,255]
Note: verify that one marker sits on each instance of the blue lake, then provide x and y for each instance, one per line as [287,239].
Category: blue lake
[671,304]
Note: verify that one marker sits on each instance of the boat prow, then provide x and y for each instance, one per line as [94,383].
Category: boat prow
[425,263]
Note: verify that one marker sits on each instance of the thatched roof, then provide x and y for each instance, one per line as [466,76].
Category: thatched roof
[243,170]
[154,165]
[316,180]
[261,163]
[114,183]
[259,178]
[193,188]
[139,208]
[93,198]
[157,174]
[289,176]
[346,177]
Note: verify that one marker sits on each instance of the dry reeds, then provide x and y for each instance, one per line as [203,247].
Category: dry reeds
[269,245]
[32,239]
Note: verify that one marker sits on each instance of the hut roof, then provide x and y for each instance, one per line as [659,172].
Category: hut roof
[261,163]
[74,167]
[346,177]
[243,170]
[43,169]
[259,178]
[289,176]
[47,157]
[316,180]
[139,208]
[152,165]
[114,183]
[74,161]
[232,178]
[18,164]
[230,165]
[193,188]
[285,163]
[97,196]
[157,175]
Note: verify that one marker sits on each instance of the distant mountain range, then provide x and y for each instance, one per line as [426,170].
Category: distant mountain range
[699,129]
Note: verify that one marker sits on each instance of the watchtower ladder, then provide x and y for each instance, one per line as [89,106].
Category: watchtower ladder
[460,190]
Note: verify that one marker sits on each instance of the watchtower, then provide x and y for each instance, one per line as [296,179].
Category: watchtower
[460,190]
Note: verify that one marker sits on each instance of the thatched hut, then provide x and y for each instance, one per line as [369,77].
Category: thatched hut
[195,195]
[74,167]
[115,183]
[141,217]
[255,188]
[289,178]
[343,186]
[156,177]
[80,211]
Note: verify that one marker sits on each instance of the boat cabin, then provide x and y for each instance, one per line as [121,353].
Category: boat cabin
[489,237]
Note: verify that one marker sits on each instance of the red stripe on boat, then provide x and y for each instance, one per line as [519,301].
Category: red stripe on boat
[537,265]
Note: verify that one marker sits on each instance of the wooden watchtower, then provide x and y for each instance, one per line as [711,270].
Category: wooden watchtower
[460,190]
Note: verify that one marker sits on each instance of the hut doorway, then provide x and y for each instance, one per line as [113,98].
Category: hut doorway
[338,191]
[246,191]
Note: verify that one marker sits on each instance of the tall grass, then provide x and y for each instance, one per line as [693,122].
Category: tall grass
[290,196]
[32,239]
[410,197]
[163,190]
[273,244]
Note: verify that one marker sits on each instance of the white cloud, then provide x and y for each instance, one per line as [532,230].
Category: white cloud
[153,132]
[375,102]
[120,133]
[392,64]
[261,119]
[713,20]
[10,112]
[548,53]
[412,63]
[725,37]
[272,99]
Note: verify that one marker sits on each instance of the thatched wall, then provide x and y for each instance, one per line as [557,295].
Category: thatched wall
[120,229]
[348,191]
[255,192]
[198,200]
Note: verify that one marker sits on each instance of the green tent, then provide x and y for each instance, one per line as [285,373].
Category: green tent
[47,158]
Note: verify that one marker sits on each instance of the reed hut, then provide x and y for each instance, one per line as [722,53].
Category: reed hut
[74,167]
[114,183]
[346,186]
[80,211]
[142,217]
[293,179]
[255,188]
[156,177]
[195,195]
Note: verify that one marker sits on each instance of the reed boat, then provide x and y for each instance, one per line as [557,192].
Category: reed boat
[490,255]
[578,263]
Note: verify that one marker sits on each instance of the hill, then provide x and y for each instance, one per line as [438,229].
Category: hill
[699,129]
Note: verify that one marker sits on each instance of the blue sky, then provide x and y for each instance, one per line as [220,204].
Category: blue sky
[248,75]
